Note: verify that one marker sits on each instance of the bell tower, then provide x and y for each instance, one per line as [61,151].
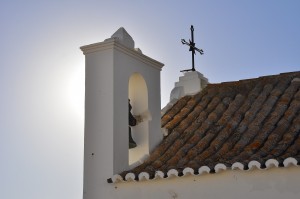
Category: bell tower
[115,71]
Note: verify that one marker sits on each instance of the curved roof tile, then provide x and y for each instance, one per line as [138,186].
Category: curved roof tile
[233,125]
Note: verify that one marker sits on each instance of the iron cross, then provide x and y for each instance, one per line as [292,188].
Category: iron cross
[191,44]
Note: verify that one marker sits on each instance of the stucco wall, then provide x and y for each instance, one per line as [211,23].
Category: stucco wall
[109,66]
[273,183]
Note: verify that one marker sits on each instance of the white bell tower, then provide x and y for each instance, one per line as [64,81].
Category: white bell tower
[115,72]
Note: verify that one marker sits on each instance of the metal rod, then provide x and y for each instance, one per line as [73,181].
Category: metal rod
[191,44]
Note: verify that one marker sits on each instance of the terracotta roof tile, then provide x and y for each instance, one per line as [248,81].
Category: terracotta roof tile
[253,122]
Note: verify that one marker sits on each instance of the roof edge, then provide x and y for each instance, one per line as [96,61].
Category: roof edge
[144,176]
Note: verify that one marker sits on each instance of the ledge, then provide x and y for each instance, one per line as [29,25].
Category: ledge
[114,44]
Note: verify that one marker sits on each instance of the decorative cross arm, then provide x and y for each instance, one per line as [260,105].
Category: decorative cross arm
[191,44]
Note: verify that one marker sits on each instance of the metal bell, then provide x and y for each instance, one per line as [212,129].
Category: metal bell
[132,143]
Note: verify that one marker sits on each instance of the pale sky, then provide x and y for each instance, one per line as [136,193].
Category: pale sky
[42,70]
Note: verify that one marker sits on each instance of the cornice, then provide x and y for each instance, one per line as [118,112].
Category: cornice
[113,43]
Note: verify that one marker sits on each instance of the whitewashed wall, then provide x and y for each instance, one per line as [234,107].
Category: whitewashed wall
[273,183]
[109,67]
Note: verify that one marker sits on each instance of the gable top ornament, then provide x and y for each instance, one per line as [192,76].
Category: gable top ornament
[191,44]
[123,37]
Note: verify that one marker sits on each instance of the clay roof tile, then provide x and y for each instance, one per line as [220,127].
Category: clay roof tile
[243,121]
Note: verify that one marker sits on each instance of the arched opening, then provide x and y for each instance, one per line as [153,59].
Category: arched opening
[138,96]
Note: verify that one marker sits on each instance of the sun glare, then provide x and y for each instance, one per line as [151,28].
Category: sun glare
[76,91]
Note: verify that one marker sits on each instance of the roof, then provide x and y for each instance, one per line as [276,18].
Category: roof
[231,125]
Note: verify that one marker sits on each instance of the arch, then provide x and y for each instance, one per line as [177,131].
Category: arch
[138,95]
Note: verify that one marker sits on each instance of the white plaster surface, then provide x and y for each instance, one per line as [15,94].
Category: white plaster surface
[109,67]
[190,83]
[273,183]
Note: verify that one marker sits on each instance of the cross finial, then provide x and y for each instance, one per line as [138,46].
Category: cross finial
[191,44]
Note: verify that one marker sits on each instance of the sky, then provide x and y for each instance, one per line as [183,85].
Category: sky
[42,70]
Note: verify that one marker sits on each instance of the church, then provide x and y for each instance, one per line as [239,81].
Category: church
[226,140]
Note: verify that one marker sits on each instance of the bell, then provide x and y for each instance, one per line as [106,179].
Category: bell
[132,143]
